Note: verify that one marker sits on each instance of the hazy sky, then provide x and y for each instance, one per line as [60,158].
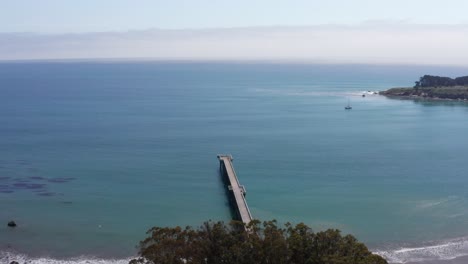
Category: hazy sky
[65,16]
[351,31]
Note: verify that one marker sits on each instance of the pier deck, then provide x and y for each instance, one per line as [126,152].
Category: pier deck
[238,191]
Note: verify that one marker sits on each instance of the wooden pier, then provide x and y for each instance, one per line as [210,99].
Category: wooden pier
[236,192]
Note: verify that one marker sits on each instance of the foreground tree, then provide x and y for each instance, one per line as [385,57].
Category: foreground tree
[264,243]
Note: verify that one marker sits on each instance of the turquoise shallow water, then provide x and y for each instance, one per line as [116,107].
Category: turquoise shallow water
[93,154]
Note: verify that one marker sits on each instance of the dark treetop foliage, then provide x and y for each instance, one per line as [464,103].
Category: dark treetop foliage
[435,81]
[263,243]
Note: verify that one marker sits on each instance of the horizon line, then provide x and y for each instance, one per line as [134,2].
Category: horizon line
[367,23]
[226,61]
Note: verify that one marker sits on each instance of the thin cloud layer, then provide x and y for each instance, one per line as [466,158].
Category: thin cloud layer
[366,43]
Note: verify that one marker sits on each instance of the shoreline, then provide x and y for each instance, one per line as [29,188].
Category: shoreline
[423,98]
[450,251]
[437,93]
[456,260]
[8,257]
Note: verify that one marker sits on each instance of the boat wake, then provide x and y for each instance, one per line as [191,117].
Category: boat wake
[8,257]
[444,250]
[319,93]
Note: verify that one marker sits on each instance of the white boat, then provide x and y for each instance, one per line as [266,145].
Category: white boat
[348,107]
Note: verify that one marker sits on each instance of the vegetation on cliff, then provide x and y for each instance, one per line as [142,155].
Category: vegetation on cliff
[263,243]
[434,87]
[436,81]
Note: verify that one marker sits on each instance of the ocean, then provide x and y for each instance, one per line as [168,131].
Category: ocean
[94,153]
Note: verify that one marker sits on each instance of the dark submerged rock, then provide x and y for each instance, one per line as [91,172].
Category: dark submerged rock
[11,224]
[30,186]
[36,178]
[46,194]
[61,179]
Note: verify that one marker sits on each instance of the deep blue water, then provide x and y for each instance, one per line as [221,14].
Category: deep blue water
[92,154]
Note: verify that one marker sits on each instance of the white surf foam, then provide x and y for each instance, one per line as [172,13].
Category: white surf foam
[445,250]
[8,257]
[370,92]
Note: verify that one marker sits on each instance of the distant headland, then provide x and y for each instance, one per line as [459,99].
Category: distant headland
[433,87]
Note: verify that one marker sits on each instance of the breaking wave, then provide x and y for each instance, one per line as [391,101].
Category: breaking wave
[8,257]
[441,251]
[444,250]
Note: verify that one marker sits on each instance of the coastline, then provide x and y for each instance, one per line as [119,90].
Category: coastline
[437,93]
[429,257]
[450,251]
[423,98]
[8,257]
[457,260]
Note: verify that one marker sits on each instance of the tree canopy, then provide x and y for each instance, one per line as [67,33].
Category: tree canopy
[258,242]
[435,81]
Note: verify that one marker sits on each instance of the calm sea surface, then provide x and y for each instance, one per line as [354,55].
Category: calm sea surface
[92,154]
